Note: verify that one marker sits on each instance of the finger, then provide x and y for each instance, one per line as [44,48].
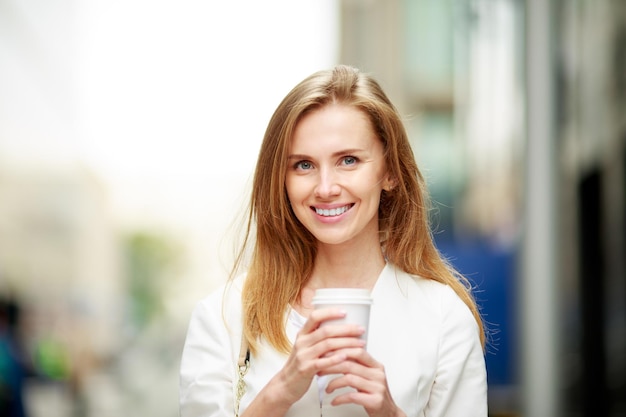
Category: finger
[354,397]
[310,365]
[329,338]
[347,366]
[317,317]
[357,355]
[310,338]
[339,330]
[309,348]
[329,361]
[354,381]
[335,345]
[353,367]
[376,403]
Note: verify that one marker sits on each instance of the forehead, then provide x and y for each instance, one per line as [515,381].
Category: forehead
[334,122]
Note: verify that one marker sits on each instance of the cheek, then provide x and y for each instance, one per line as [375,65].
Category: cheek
[370,185]
[293,191]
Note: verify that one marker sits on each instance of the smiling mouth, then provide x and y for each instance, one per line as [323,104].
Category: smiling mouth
[332,212]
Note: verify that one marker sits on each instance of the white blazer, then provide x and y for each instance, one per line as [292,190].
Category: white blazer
[420,330]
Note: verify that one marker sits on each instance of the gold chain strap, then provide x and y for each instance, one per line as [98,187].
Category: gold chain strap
[241,385]
[244,365]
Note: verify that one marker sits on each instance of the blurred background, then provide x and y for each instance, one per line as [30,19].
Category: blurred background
[129,132]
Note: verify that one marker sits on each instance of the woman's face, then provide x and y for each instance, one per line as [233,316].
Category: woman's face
[335,175]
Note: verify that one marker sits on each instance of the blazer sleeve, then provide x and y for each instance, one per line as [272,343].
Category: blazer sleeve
[207,367]
[460,386]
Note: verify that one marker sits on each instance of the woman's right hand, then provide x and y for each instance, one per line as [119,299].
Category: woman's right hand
[315,349]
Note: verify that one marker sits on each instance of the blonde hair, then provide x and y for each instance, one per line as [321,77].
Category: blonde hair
[284,251]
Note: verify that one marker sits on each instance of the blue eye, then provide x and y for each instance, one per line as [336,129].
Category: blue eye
[350,160]
[304,165]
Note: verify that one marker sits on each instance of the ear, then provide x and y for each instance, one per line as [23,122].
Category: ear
[389,183]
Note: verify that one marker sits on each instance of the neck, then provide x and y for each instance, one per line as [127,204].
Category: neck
[346,267]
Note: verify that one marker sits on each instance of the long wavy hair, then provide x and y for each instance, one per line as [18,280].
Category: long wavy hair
[283,250]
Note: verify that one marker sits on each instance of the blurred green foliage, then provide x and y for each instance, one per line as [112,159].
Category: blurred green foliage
[152,260]
[51,359]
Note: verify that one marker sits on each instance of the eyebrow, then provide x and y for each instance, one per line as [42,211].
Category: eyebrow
[335,154]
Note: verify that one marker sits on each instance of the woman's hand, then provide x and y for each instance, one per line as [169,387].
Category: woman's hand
[367,376]
[316,349]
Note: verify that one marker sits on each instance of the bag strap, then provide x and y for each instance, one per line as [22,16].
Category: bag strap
[243,364]
[244,352]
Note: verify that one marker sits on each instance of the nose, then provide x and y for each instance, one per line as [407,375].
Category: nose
[327,185]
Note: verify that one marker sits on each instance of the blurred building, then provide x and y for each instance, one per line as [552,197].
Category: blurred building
[589,70]
[59,260]
[57,245]
[517,114]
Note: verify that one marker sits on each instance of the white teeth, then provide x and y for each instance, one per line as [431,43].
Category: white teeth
[331,212]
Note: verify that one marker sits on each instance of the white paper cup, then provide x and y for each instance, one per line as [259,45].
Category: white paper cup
[356,302]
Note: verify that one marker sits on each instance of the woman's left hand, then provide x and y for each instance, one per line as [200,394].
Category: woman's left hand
[367,376]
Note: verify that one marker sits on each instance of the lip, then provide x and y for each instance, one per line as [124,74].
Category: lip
[331,212]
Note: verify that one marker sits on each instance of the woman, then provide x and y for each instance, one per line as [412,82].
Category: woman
[337,201]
